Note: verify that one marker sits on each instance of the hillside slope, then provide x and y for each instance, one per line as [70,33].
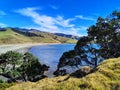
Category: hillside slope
[68,36]
[10,36]
[105,77]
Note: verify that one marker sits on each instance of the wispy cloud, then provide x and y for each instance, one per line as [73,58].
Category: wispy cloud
[85,18]
[2,12]
[83,28]
[64,22]
[49,23]
[53,7]
[3,25]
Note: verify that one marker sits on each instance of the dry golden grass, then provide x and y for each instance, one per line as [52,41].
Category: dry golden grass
[105,77]
[11,37]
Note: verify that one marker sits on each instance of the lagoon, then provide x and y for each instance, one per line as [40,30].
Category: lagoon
[50,54]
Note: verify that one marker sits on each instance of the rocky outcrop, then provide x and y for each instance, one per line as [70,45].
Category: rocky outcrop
[81,72]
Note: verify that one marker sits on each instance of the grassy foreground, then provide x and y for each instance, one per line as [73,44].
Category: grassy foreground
[105,77]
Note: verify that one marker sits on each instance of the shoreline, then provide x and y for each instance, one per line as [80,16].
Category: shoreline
[21,48]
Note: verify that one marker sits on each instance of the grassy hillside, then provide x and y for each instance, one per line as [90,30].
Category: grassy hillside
[11,37]
[105,77]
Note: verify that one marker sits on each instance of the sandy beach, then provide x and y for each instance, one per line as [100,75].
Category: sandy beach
[21,48]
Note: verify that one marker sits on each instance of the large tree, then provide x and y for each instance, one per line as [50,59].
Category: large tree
[102,42]
[106,33]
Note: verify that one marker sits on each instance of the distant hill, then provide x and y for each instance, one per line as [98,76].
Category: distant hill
[18,35]
[68,36]
[105,77]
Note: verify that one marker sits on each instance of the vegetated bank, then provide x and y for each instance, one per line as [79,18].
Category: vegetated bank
[105,77]
[16,67]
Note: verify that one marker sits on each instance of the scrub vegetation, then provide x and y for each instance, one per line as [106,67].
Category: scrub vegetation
[105,77]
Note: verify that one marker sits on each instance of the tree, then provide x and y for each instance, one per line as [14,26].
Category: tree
[16,66]
[107,36]
[14,58]
[67,55]
[31,67]
[8,64]
[102,42]
[3,63]
[88,51]
[10,58]
[67,59]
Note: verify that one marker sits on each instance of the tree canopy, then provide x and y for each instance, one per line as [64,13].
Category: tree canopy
[16,66]
[102,42]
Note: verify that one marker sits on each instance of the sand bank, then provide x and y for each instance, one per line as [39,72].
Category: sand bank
[22,48]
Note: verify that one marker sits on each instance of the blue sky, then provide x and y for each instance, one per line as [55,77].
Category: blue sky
[66,16]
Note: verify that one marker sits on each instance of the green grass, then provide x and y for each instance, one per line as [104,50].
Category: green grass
[105,77]
[11,37]
[3,85]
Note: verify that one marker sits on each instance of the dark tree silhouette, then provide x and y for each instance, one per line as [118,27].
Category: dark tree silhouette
[102,42]
[31,68]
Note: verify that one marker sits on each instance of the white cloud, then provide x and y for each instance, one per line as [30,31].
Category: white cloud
[65,23]
[3,25]
[85,18]
[80,31]
[2,12]
[49,23]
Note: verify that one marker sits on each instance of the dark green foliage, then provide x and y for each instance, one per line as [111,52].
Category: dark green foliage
[68,55]
[1,81]
[16,66]
[13,58]
[31,67]
[102,42]
[10,58]
[68,58]
[107,35]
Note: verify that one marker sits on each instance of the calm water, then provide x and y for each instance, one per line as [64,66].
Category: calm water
[50,54]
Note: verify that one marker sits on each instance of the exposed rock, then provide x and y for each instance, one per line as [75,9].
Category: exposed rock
[82,72]
[60,72]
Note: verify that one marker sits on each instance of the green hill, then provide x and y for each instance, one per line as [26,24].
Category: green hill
[10,36]
[105,77]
